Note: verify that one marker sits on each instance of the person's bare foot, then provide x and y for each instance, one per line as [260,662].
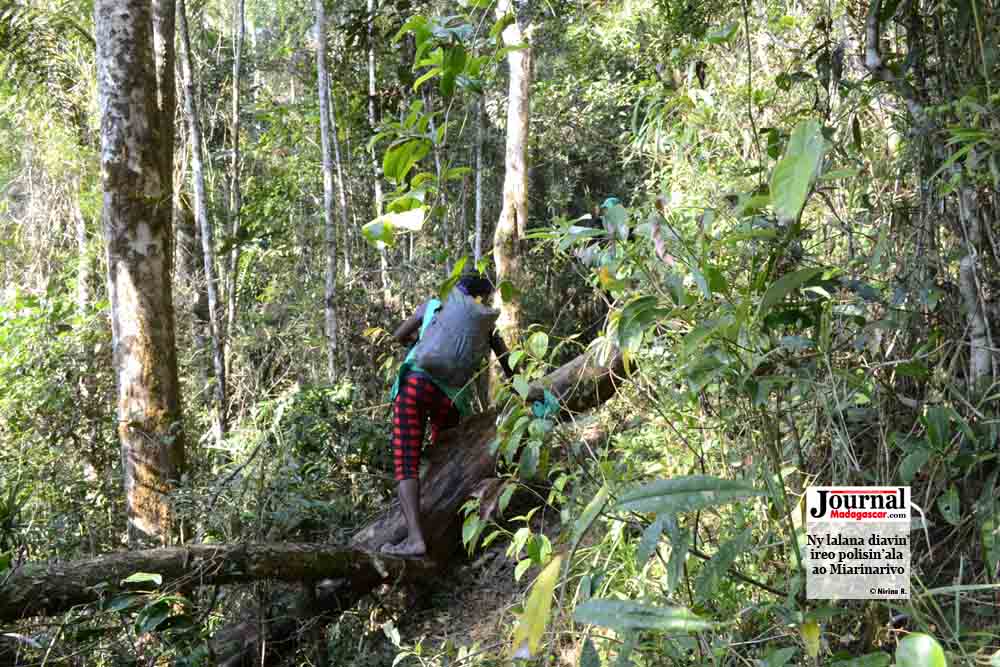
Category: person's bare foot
[405,549]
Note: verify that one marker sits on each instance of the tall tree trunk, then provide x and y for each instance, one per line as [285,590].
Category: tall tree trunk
[136,157]
[373,123]
[970,285]
[330,229]
[219,417]
[235,192]
[480,122]
[509,235]
[341,186]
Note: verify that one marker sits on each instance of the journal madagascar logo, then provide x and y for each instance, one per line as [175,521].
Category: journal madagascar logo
[865,504]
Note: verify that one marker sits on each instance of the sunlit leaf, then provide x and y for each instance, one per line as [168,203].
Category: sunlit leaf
[143,578]
[532,623]
[538,344]
[794,173]
[920,650]
[810,637]
[625,615]
[685,494]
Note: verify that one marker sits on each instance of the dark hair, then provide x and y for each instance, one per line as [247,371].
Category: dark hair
[475,284]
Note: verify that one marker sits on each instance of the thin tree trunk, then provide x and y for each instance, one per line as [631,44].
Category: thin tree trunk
[205,227]
[480,122]
[980,337]
[373,123]
[442,198]
[341,186]
[235,192]
[329,299]
[136,163]
[83,255]
[509,235]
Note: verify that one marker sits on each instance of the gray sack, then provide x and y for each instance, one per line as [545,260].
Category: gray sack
[457,340]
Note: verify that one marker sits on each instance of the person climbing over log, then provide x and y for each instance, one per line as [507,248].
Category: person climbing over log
[435,384]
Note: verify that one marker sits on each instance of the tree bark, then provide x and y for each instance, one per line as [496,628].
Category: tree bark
[235,191]
[509,235]
[205,227]
[459,464]
[480,121]
[330,230]
[376,172]
[45,589]
[137,228]
[341,186]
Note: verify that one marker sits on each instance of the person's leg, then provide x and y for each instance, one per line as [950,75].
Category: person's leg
[409,417]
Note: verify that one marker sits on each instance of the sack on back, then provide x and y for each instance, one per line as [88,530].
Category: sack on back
[457,340]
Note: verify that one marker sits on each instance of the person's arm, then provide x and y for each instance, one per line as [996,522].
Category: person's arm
[500,349]
[407,331]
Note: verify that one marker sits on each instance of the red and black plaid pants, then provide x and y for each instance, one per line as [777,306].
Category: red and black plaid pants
[417,401]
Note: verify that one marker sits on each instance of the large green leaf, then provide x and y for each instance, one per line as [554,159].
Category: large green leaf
[920,650]
[624,615]
[784,285]
[401,158]
[685,494]
[589,515]
[794,173]
[538,344]
[531,625]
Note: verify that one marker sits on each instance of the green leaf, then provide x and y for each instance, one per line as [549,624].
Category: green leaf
[779,657]
[870,660]
[532,623]
[838,174]
[920,650]
[538,344]
[150,618]
[514,357]
[521,386]
[528,464]
[378,231]
[143,578]
[722,34]
[425,77]
[685,494]
[589,515]
[636,317]
[125,602]
[501,24]
[794,173]
[783,286]
[456,274]
[680,544]
[588,655]
[949,505]
[647,545]
[507,291]
[912,464]
[522,566]
[401,158]
[625,615]
[714,570]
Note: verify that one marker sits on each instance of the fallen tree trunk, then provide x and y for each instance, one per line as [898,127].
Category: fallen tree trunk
[44,589]
[458,465]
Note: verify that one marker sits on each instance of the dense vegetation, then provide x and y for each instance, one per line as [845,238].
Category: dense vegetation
[801,278]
